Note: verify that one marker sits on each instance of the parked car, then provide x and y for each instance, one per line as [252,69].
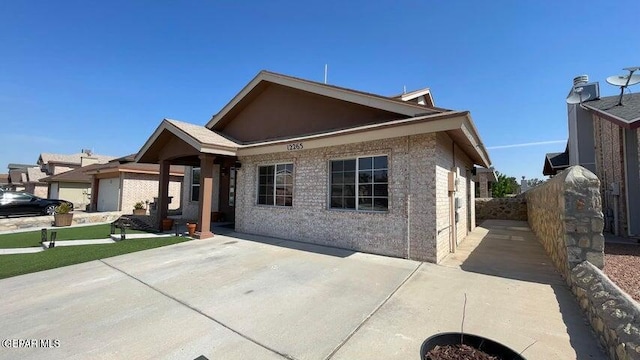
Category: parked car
[22,203]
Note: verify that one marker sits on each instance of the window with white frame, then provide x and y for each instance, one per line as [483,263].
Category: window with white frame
[195,184]
[360,184]
[275,185]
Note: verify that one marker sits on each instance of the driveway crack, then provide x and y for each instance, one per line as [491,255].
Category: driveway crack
[286,356]
[335,350]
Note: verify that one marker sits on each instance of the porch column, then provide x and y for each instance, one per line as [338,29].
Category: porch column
[95,188]
[203,229]
[163,193]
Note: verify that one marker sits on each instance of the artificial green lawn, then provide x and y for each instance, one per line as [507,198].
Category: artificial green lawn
[12,265]
[32,238]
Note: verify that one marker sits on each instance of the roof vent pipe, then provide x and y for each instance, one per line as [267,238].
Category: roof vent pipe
[580,79]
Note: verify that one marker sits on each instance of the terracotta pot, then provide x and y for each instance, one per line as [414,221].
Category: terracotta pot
[167,224]
[191,229]
[139,212]
[62,219]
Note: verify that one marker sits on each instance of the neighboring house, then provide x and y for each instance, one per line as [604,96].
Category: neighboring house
[54,164]
[483,179]
[302,160]
[120,183]
[27,178]
[4,181]
[603,137]
[73,185]
[556,162]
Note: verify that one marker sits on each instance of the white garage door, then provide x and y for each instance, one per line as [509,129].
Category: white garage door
[53,191]
[108,194]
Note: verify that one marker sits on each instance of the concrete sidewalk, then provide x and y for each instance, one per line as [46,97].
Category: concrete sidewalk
[513,295]
[240,296]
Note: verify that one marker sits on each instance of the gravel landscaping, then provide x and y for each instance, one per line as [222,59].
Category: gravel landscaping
[622,265]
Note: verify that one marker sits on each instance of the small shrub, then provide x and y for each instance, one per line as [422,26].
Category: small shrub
[63,208]
[138,206]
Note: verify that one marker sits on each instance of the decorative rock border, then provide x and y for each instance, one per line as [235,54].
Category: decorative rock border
[613,314]
[39,222]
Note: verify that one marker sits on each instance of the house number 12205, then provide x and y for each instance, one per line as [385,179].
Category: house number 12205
[296,146]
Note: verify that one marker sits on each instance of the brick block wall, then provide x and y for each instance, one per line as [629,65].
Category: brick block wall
[450,158]
[41,191]
[422,197]
[143,187]
[483,180]
[309,219]
[408,229]
[610,168]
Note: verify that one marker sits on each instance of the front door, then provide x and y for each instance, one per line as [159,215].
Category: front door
[227,188]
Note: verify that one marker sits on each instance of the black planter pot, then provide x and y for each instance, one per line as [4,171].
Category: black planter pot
[489,346]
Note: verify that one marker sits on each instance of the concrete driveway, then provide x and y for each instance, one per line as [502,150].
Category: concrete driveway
[247,297]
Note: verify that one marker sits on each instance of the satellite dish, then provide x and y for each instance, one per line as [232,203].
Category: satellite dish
[577,97]
[623,80]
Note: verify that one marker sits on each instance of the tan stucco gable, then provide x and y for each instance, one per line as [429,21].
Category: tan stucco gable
[280,112]
[265,78]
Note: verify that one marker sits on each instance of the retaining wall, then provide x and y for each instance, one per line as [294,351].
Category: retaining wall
[514,208]
[566,215]
[613,314]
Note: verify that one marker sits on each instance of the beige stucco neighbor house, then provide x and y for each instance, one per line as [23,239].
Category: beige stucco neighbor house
[73,185]
[54,164]
[62,179]
[302,160]
[27,178]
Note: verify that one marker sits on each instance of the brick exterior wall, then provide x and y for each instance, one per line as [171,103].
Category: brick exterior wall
[41,191]
[483,181]
[446,161]
[407,229]
[609,169]
[142,187]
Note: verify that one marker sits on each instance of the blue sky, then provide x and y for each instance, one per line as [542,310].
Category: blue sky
[102,75]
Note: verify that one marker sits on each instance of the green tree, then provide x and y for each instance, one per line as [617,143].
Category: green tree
[505,186]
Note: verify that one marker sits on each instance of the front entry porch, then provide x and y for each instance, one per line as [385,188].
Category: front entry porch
[211,182]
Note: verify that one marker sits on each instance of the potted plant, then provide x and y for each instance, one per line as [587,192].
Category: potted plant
[191,228]
[63,215]
[167,224]
[138,209]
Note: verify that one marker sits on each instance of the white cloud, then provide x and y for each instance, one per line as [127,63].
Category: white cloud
[526,144]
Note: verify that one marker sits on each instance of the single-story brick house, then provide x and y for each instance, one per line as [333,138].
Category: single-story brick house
[302,160]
